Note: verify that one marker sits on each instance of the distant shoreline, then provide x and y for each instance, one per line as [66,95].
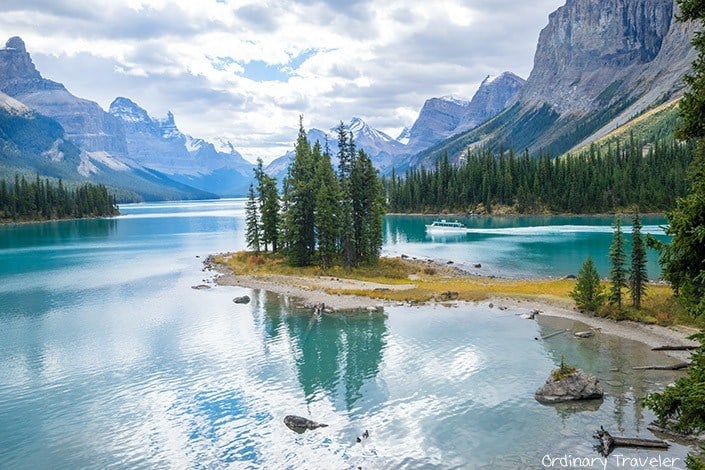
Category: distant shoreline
[7,223]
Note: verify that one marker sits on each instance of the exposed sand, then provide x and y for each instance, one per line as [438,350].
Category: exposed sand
[311,290]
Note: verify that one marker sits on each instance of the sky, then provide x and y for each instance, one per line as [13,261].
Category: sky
[245,70]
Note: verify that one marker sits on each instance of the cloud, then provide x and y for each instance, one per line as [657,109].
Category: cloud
[246,69]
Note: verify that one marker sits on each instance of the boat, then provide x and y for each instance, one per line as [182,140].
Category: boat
[444,227]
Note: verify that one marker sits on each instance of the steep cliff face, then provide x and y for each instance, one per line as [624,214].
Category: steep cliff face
[597,65]
[84,121]
[442,117]
[490,99]
[589,45]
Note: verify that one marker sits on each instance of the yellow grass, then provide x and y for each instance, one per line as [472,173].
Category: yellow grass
[431,281]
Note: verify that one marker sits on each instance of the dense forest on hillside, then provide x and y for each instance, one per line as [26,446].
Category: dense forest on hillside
[601,178]
[21,200]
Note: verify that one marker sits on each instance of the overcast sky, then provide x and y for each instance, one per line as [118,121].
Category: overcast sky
[245,70]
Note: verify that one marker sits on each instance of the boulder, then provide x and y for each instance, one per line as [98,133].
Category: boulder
[576,386]
[300,424]
[245,299]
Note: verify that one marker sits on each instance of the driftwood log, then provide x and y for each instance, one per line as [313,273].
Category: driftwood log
[679,366]
[674,347]
[609,442]
[551,335]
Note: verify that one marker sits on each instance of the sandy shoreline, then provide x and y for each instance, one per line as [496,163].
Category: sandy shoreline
[311,291]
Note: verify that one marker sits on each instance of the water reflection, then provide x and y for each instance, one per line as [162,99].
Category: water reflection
[334,354]
[611,360]
[56,232]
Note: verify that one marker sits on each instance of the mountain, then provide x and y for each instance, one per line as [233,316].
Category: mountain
[443,117]
[160,145]
[47,130]
[85,122]
[382,149]
[31,144]
[597,66]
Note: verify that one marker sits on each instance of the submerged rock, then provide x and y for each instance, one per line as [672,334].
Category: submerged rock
[200,287]
[576,386]
[245,299]
[584,334]
[300,424]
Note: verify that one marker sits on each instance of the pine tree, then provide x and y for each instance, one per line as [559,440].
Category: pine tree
[637,276]
[269,208]
[299,204]
[683,260]
[326,216]
[617,271]
[346,157]
[252,223]
[681,406]
[588,293]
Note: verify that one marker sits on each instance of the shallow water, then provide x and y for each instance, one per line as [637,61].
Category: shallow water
[109,359]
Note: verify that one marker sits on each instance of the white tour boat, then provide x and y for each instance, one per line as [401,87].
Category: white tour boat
[443,226]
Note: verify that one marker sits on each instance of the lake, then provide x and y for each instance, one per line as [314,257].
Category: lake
[108,358]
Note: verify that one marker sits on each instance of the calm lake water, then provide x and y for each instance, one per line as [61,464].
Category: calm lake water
[109,359]
[520,246]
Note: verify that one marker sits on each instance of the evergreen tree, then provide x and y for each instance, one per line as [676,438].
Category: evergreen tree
[637,275]
[346,157]
[683,260]
[588,293]
[617,271]
[252,223]
[682,406]
[299,200]
[327,215]
[269,208]
[41,200]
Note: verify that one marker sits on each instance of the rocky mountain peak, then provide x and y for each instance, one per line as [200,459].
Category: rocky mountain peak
[18,74]
[168,127]
[442,117]
[128,110]
[16,43]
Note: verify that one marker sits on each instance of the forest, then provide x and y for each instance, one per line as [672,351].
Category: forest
[321,217]
[41,199]
[606,178]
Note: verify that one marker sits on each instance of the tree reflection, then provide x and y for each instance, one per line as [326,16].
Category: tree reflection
[335,354]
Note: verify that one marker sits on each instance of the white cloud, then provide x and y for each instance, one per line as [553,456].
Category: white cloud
[376,61]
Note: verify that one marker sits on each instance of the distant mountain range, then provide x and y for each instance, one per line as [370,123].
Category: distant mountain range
[597,66]
[438,119]
[46,129]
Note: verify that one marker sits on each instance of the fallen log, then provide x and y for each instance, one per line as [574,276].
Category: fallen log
[551,335]
[679,366]
[674,348]
[608,442]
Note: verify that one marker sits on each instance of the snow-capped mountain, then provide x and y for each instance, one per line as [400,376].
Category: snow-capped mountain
[159,144]
[69,137]
[382,149]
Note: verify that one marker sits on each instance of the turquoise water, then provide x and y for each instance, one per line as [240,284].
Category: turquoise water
[108,358]
[519,246]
